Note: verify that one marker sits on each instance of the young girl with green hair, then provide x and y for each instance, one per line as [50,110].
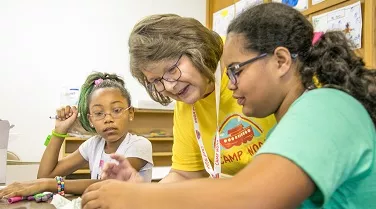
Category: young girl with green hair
[105,110]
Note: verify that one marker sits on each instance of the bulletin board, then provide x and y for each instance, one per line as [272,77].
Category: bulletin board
[318,8]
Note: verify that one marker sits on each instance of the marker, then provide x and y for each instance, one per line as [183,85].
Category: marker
[43,197]
[15,199]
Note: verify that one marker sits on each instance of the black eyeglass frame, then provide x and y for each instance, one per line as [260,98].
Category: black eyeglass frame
[234,69]
[152,87]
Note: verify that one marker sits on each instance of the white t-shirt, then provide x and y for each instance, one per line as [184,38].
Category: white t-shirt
[92,150]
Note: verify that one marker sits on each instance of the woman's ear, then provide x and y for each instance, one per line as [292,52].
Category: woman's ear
[284,60]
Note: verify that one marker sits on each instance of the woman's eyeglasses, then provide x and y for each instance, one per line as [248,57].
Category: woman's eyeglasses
[171,75]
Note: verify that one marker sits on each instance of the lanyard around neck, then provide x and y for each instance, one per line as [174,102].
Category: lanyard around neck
[214,173]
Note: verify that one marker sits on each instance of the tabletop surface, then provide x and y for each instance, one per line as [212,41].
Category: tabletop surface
[31,204]
[27,205]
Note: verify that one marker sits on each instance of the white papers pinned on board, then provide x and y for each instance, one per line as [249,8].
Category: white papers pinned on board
[346,19]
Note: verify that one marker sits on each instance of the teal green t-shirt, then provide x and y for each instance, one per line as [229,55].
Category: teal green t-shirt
[331,136]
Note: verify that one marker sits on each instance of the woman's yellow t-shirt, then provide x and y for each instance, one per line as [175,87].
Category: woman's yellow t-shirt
[240,136]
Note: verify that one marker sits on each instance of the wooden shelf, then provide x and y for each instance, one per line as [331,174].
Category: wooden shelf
[82,171]
[170,138]
[75,139]
[161,154]
[18,162]
[140,110]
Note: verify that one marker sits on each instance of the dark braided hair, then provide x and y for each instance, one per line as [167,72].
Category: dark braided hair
[87,89]
[331,60]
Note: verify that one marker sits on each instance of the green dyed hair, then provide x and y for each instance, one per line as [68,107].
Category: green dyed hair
[87,89]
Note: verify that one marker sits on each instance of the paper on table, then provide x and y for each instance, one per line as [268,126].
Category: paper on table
[224,176]
[346,19]
[62,203]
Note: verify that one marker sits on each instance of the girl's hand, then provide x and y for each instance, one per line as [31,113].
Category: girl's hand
[66,117]
[122,170]
[27,188]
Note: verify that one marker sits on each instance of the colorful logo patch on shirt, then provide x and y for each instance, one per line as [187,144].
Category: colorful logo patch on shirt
[237,130]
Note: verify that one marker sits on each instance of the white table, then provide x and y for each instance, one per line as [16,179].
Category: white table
[160,172]
[21,171]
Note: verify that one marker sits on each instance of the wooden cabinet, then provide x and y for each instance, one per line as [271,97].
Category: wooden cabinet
[70,145]
[155,125]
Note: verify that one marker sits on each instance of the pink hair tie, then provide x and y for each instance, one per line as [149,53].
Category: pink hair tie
[98,81]
[316,37]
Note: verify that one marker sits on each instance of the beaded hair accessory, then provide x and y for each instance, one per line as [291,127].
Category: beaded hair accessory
[98,81]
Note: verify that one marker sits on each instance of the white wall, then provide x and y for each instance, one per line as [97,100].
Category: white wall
[46,45]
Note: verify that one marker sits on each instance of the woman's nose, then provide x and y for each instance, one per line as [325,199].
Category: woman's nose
[169,86]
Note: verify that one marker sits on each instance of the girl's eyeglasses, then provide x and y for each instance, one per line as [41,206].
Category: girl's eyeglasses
[115,113]
[234,70]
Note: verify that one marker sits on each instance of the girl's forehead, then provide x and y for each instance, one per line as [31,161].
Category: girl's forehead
[107,91]
[232,48]
[107,95]
[236,39]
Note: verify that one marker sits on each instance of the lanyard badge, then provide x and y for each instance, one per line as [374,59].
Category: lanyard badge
[214,173]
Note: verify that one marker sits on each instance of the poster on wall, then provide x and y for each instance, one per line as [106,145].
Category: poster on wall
[314,2]
[242,5]
[346,19]
[222,19]
[300,5]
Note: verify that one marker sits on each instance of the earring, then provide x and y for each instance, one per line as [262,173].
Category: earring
[91,125]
